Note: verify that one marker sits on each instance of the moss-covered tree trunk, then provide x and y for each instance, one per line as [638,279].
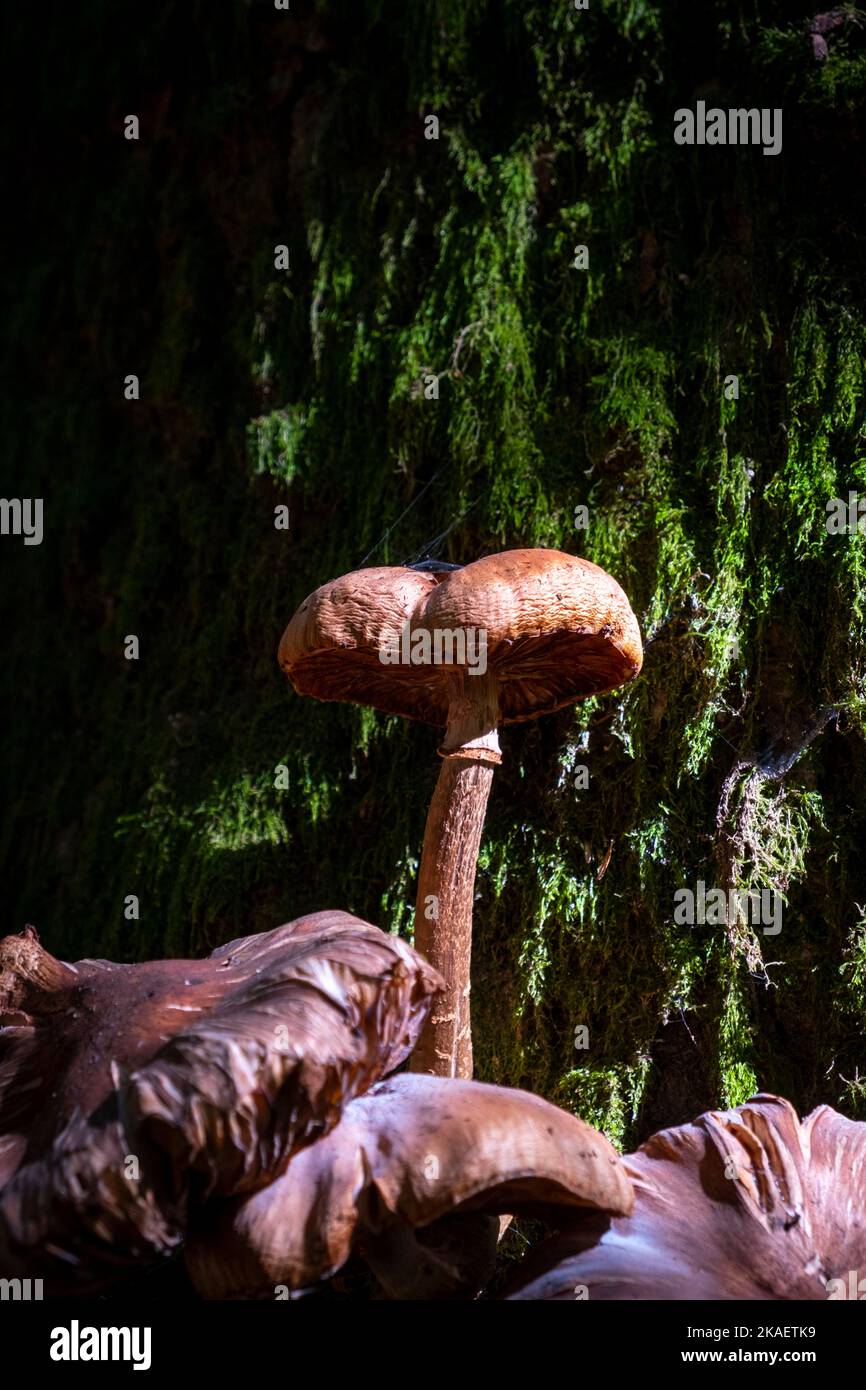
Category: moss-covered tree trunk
[442,366]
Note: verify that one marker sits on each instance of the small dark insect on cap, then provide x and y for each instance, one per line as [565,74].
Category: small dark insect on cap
[430,566]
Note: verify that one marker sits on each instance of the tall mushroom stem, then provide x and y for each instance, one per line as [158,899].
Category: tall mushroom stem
[446,880]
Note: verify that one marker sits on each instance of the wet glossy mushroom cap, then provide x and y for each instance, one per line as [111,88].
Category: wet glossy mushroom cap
[208,1073]
[751,1203]
[322,1009]
[558,629]
[67,1031]
[411,1152]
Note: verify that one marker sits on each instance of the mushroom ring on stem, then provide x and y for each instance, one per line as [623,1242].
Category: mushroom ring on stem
[505,639]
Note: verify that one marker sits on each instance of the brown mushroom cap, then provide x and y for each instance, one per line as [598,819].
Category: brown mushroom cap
[341,989]
[209,1073]
[413,1150]
[323,1009]
[751,1203]
[558,629]
[81,1214]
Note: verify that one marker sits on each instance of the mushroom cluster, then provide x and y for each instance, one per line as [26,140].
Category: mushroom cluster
[243,1107]
[500,641]
[237,1106]
[246,1109]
